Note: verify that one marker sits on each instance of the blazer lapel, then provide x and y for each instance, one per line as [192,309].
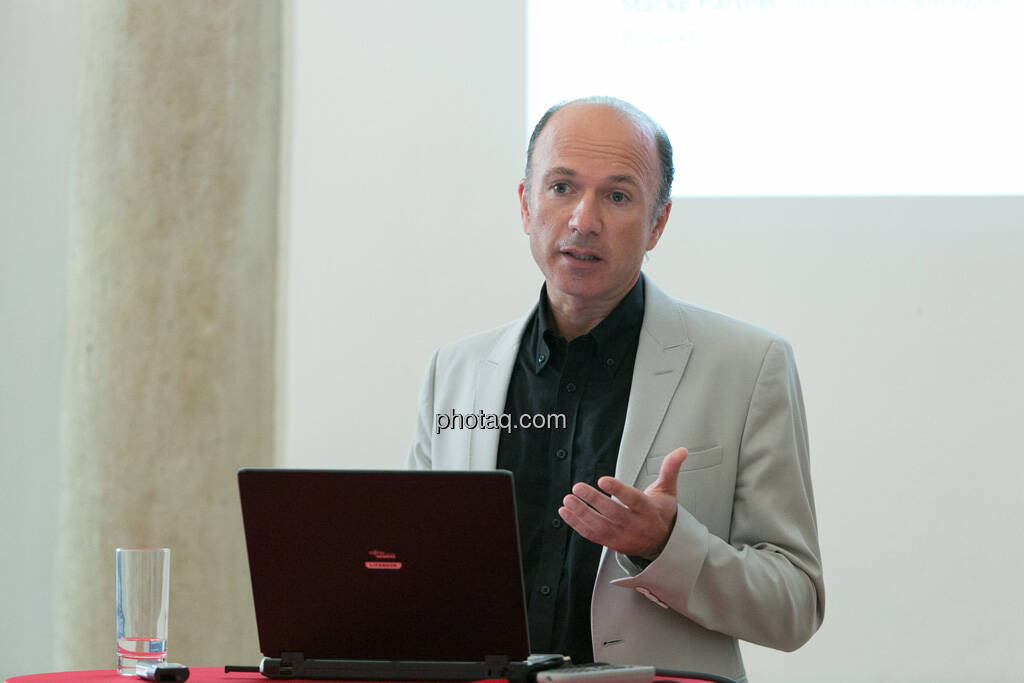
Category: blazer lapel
[661,358]
[492,377]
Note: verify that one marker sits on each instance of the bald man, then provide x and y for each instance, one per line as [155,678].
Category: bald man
[665,503]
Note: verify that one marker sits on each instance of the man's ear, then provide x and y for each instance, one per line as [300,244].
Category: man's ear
[524,206]
[659,225]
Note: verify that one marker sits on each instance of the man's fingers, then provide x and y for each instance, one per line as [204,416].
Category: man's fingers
[604,505]
[621,517]
[666,482]
[584,519]
[627,495]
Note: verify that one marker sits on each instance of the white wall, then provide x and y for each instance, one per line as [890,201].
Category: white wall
[904,315]
[407,130]
[37,66]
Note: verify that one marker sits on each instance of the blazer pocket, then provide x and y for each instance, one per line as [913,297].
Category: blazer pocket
[695,460]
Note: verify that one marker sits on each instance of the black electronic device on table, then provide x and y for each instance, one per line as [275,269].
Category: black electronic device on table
[386,575]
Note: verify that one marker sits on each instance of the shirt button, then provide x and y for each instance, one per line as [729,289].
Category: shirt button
[557,523]
[545,590]
[610,362]
[570,387]
[560,454]
[541,358]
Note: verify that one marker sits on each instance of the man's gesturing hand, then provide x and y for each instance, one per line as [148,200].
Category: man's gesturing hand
[637,523]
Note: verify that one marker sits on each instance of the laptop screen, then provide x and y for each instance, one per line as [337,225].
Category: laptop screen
[385,565]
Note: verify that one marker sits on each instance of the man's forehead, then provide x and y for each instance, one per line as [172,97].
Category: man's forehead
[598,133]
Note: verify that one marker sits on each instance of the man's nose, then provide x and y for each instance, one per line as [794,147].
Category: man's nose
[586,216]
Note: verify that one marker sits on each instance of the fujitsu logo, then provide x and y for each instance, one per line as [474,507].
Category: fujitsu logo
[382,560]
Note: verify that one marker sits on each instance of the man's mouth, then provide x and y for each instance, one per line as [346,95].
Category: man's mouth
[582,256]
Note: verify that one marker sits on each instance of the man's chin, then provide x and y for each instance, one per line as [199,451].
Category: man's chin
[576,287]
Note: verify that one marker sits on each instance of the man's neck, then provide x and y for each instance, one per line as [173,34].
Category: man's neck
[575,316]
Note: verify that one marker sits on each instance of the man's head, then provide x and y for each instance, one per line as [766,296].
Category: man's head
[595,198]
[664,146]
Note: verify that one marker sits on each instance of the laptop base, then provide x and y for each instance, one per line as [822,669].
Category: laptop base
[295,665]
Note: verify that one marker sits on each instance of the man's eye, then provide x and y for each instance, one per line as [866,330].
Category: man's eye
[619,197]
[560,188]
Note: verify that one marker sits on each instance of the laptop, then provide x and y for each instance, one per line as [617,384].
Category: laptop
[386,575]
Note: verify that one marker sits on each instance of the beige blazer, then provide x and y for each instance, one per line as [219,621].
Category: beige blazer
[742,560]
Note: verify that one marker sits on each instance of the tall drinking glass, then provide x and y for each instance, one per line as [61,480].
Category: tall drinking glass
[142,585]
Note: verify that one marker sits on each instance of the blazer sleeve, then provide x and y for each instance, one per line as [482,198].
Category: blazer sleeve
[764,584]
[420,452]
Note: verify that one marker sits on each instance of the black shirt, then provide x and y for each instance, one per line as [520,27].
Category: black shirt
[587,380]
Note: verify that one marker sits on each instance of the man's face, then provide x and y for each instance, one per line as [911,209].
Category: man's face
[589,210]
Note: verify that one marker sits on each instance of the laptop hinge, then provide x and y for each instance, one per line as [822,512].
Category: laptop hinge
[284,667]
[497,665]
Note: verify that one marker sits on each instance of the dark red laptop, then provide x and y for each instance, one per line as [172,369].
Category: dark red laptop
[378,575]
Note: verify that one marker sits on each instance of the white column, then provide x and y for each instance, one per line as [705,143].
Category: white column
[169,370]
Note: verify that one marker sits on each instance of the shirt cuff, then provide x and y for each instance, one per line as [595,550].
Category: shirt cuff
[670,577]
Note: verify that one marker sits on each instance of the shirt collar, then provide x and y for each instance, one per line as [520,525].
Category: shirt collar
[612,337]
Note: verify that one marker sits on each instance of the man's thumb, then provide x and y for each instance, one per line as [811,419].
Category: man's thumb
[666,483]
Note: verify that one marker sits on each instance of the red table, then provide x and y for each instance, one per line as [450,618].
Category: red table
[198,674]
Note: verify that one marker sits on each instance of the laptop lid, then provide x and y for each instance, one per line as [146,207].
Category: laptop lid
[385,565]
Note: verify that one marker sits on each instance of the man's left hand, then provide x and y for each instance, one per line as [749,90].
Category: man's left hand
[634,522]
